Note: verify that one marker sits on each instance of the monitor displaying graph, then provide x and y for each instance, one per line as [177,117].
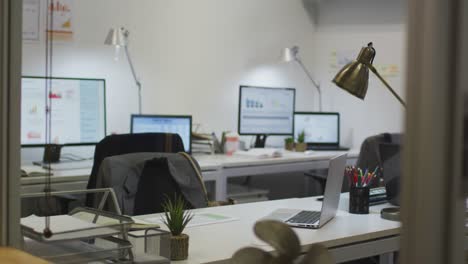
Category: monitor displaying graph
[77,111]
[181,125]
[267,111]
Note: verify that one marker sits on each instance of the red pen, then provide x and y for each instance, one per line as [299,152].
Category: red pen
[355,177]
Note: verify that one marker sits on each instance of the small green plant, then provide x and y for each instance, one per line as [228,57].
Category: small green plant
[289,140]
[177,217]
[301,137]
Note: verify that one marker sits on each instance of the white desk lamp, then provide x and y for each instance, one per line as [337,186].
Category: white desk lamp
[118,37]
[291,54]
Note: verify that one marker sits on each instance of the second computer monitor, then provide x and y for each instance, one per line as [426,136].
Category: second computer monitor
[181,125]
[266,111]
[320,128]
[77,113]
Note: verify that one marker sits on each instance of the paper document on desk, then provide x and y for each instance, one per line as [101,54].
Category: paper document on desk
[32,171]
[261,153]
[199,219]
[58,223]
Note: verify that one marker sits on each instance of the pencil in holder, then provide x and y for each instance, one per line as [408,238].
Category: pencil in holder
[359,200]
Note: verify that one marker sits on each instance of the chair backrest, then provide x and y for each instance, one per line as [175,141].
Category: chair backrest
[157,184]
[167,177]
[391,162]
[369,155]
[131,143]
[143,181]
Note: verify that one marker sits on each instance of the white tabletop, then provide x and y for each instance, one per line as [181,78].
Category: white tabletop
[207,163]
[59,176]
[218,242]
[225,161]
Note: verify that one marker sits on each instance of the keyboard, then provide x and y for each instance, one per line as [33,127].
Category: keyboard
[308,217]
[325,148]
[377,196]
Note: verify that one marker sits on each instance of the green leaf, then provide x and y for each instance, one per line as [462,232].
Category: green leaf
[301,137]
[176,217]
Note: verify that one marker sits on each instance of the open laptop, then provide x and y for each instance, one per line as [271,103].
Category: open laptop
[322,129]
[331,199]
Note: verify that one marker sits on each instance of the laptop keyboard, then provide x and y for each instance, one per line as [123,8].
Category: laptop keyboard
[308,217]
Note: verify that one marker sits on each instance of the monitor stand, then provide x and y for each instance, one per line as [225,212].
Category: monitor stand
[260,141]
[52,153]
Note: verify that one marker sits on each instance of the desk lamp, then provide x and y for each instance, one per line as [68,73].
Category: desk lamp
[354,78]
[290,55]
[118,37]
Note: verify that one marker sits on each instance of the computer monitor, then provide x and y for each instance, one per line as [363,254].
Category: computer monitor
[321,128]
[181,125]
[78,111]
[265,111]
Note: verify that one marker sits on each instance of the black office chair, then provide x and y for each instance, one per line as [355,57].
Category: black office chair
[369,157]
[390,154]
[370,154]
[158,182]
[131,143]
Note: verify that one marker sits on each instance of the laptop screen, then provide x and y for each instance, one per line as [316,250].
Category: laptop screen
[320,128]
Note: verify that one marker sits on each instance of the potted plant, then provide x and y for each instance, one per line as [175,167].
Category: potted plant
[176,220]
[289,143]
[301,146]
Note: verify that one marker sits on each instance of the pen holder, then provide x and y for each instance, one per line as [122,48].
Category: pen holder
[359,200]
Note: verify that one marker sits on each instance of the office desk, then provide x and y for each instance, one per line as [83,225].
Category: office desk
[61,180]
[347,236]
[238,166]
[217,168]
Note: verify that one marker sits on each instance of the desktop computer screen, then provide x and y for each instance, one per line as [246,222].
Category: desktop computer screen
[78,111]
[266,111]
[319,128]
[181,125]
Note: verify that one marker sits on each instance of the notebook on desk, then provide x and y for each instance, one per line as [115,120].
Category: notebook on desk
[322,130]
[261,153]
[331,199]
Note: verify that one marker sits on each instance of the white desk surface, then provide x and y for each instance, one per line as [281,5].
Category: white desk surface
[59,176]
[207,163]
[218,242]
[220,160]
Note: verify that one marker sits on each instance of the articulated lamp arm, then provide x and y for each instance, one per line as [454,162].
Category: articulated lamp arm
[317,85]
[374,70]
[137,80]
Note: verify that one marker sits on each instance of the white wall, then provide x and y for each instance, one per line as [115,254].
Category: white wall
[348,26]
[192,56]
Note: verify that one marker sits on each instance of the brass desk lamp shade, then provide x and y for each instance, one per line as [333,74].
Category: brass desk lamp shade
[354,77]
[117,37]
